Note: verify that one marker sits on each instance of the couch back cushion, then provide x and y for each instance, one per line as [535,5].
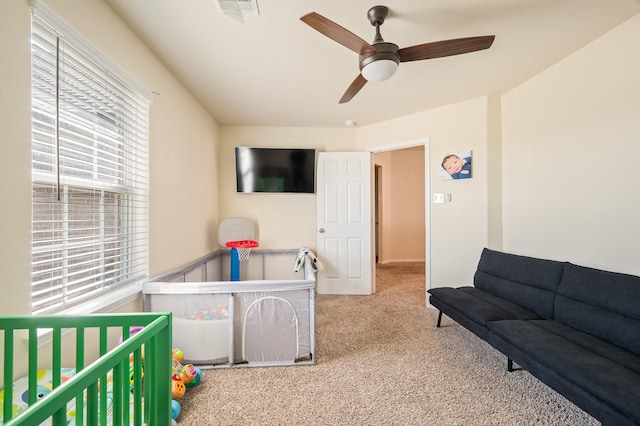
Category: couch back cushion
[603,304]
[527,281]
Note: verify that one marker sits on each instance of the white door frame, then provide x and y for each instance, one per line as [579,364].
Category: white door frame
[427,205]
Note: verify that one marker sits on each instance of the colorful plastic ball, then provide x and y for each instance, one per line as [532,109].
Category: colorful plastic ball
[175,409]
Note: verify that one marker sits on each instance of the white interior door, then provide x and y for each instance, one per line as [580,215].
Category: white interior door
[344,223]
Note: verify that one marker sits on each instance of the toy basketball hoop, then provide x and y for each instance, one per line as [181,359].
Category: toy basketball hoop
[238,233]
[240,250]
[243,247]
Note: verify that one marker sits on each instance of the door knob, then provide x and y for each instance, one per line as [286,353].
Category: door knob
[321,230]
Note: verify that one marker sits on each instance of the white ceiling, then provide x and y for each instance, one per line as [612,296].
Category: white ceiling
[274,70]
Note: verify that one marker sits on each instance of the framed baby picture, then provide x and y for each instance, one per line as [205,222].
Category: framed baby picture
[456,165]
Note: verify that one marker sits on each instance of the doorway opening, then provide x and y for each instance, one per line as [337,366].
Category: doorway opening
[400,206]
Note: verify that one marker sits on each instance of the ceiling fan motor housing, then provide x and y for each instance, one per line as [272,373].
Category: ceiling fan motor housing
[385,50]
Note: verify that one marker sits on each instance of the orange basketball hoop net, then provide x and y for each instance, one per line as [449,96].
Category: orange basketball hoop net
[243,247]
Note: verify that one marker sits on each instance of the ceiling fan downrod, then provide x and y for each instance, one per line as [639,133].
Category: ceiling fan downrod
[384,50]
[377,15]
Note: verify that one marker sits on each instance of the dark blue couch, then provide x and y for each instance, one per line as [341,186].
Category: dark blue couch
[576,329]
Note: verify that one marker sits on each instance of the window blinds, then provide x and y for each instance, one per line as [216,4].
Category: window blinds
[90,175]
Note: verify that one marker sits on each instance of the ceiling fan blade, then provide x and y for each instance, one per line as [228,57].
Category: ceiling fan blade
[354,88]
[337,33]
[439,49]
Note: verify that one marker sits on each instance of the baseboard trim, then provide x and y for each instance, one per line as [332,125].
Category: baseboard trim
[401,261]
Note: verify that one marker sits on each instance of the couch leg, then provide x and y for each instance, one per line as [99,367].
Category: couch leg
[439,318]
[509,365]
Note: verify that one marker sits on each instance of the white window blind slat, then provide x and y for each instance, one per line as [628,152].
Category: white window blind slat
[90,173]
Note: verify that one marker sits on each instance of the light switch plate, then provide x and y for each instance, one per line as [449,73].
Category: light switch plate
[438,198]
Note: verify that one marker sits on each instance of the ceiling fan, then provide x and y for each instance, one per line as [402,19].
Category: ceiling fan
[380,59]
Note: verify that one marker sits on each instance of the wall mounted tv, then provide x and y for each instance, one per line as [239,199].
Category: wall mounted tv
[284,170]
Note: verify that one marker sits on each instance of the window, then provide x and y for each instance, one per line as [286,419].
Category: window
[89,172]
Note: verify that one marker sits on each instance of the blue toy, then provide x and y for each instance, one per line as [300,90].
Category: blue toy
[239,251]
[175,409]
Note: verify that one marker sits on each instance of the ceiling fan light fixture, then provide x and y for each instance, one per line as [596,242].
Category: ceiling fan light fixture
[379,70]
[379,60]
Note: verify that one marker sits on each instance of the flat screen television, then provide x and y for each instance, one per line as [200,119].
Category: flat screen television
[284,170]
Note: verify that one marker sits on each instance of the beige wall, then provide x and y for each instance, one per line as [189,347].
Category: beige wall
[571,144]
[184,186]
[494,173]
[15,158]
[184,180]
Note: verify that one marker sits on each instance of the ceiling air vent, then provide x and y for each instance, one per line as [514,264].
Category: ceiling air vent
[238,9]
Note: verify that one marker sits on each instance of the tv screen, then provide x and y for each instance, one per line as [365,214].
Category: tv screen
[275,170]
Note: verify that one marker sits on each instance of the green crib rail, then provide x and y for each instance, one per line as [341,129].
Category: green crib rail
[155,338]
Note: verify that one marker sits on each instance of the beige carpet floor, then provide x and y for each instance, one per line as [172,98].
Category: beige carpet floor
[382,361]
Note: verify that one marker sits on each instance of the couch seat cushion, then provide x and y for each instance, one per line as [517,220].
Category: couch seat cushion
[579,365]
[473,308]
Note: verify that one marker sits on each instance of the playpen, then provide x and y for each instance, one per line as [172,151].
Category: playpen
[265,319]
[108,390]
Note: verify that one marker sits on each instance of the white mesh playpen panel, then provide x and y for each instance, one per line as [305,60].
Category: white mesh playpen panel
[273,327]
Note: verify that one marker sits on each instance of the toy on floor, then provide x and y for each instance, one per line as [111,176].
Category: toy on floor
[175,409]
[177,389]
[132,376]
[132,330]
[184,373]
[182,376]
